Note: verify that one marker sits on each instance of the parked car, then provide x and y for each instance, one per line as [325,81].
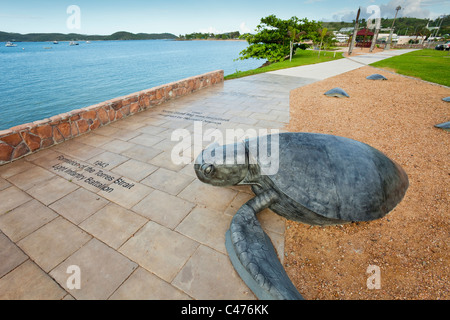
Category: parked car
[439,47]
[447,45]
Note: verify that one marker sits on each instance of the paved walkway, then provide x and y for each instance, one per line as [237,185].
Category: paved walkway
[112,208]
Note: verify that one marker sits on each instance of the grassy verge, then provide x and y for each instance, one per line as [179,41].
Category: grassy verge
[428,64]
[301,58]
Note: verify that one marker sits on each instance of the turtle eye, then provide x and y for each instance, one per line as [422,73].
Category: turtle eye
[208,169]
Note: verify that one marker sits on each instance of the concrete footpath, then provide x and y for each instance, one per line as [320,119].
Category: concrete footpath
[109,215]
[333,68]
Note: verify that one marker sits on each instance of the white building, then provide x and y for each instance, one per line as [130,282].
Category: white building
[341,37]
[406,39]
[384,37]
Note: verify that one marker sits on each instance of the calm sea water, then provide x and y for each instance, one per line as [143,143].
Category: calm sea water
[42,79]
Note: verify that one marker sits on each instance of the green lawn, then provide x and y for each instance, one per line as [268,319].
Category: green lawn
[301,58]
[428,64]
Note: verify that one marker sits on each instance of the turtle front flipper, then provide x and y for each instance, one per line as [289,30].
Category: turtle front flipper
[253,255]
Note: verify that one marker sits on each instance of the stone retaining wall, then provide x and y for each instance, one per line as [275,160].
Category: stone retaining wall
[28,138]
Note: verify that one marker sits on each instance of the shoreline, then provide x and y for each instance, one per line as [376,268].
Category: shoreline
[241,40]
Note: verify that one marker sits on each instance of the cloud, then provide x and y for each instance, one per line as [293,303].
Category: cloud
[243,28]
[410,8]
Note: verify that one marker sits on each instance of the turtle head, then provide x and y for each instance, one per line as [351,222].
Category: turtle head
[222,166]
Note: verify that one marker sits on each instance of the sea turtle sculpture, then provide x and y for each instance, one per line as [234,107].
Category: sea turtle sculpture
[321,180]
[376,76]
[337,93]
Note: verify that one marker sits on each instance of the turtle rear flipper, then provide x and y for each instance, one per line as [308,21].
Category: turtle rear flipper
[253,255]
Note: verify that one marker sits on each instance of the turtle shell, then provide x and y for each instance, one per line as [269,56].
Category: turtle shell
[376,76]
[337,177]
[446,99]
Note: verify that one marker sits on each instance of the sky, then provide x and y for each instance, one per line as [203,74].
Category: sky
[104,17]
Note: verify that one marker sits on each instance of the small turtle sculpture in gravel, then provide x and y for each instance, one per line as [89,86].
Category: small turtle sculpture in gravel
[444,126]
[447,99]
[337,92]
[321,180]
[376,76]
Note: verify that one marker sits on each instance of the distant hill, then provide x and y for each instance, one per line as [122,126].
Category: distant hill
[209,36]
[121,35]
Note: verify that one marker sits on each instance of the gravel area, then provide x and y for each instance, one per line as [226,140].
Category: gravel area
[410,245]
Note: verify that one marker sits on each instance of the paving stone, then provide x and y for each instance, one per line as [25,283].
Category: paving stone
[4,184]
[117,133]
[128,124]
[102,271]
[167,144]
[29,282]
[113,225]
[159,250]
[206,226]
[25,219]
[10,256]
[164,160]
[126,197]
[31,177]
[164,209]
[47,159]
[79,205]
[108,160]
[12,197]
[175,124]
[189,170]
[271,221]
[240,199]
[78,150]
[53,243]
[117,146]
[143,285]
[277,242]
[51,190]
[152,120]
[94,140]
[147,140]
[135,170]
[168,181]
[211,197]
[11,169]
[209,275]
[141,153]
[154,130]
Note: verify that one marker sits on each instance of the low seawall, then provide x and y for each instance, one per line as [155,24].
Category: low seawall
[25,139]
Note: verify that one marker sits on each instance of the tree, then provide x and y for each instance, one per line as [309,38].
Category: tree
[322,33]
[275,38]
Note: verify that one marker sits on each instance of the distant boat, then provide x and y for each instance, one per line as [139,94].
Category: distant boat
[10,44]
[88,42]
[73,43]
[55,42]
